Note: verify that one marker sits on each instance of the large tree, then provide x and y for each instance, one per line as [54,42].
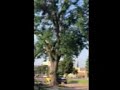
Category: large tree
[55,25]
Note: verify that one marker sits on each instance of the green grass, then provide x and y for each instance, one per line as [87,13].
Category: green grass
[83,81]
[80,81]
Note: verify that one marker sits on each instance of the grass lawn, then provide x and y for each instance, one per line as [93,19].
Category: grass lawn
[80,81]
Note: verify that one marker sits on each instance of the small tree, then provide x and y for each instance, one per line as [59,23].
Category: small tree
[66,66]
[75,71]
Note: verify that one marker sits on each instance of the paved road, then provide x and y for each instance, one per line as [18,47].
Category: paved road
[67,89]
[71,87]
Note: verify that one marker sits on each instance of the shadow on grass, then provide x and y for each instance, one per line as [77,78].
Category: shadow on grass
[47,87]
[40,86]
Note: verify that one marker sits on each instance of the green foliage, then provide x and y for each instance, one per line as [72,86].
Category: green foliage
[61,25]
[65,66]
[41,69]
[83,21]
[71,42]
[68,64]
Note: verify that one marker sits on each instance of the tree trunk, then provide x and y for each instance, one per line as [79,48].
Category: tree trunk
[54,58]
[53,72]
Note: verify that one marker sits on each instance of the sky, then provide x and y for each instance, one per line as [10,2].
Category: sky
[83,56]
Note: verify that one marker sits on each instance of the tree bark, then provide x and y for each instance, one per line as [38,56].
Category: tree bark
[53,72]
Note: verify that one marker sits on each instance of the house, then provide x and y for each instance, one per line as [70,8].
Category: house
[82,73]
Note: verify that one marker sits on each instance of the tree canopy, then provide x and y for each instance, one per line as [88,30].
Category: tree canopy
[62,25]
